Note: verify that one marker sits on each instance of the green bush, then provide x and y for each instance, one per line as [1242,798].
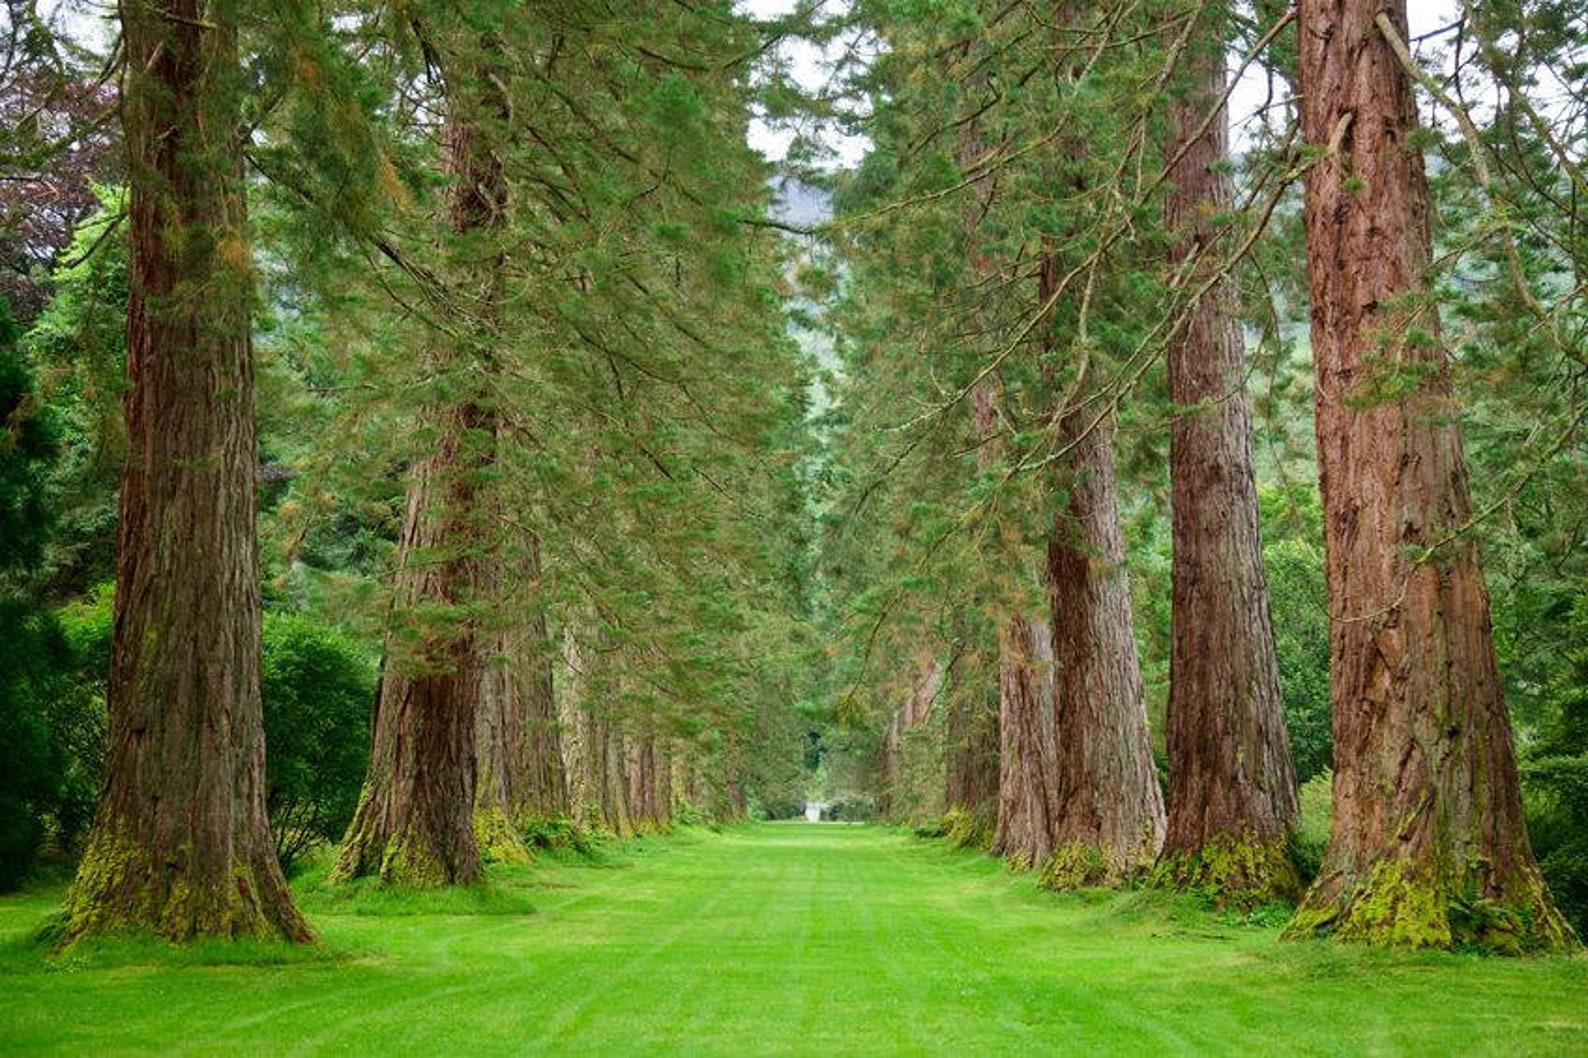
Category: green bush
[33,655]
[1301,642]
[1311,838]
[317,682]
[1555,780]
[318,686]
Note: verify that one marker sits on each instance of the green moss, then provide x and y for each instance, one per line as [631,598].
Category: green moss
[1398,905]
[965,829]
[1078,865]
[409,863]
[498,839]
[1240,873]
[119,891]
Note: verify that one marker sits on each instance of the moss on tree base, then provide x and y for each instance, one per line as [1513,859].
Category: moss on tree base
[120,889]
[402,860]
[1233,872]
[498,839]
[965,829]
[1398,906]
[1079,865]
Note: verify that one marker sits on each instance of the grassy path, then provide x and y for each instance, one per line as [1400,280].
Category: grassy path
[778,939]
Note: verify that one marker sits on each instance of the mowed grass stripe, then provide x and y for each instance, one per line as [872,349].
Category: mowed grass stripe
[777,939]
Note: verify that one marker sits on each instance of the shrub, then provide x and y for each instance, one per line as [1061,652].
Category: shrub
[318,684]
[33,656]
[1311,838]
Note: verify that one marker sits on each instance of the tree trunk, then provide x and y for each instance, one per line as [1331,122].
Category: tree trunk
[180,846]
[1232,787]
[584,798]
[414,824]
[520,774]
[649,779]
[1028,755]
[1428,846]
[1108,814]
[970,789]
[611,778]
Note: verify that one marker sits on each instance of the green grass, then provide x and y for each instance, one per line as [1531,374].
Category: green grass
[775,938]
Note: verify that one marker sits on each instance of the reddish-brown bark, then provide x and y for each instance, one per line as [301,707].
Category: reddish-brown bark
[414,824]
[1108,808]
[181,846]
[1232,786]
[1027,758]
[1428,846]
[971,732]
[520,756]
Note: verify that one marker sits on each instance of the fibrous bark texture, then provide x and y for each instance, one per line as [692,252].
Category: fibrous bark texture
[1027,758]
[520,775]
[414,824]
[650,793]
[970,794]
[1428,846]
[1232,786]
[594,755]
[1108,817]
[180,846]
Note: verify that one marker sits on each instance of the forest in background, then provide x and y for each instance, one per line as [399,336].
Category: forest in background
[568,521]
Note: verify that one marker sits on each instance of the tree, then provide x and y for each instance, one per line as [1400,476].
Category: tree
[1232,786]
[1428,847]
[181,846]
[1108,820]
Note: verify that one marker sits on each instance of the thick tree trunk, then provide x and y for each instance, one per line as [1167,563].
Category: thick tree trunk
[1428,846]
[1108,813]
[610,761]
[650,784]
[584,797]
[520,774]
[970,792]
[1232,787]
[181,846]
[414,824]
[1028,755]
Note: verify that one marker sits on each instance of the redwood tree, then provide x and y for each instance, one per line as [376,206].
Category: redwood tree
[1232,787]
[181,846]
[1108,814]
[415,821]
[1428,846]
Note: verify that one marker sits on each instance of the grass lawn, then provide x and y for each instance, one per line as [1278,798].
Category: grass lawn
[775,938]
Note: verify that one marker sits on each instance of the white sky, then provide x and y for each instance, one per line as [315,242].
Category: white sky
[812,67]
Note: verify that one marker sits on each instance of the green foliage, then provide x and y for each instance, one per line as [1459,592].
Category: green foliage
[27,449]
[78,346]
[33,654]
[1555,778]
[1310,840]
[318,688]
[1298,603]
[565,835]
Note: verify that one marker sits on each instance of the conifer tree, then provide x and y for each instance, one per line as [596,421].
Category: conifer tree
[1232,787]
[181,846]
[1428,846]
